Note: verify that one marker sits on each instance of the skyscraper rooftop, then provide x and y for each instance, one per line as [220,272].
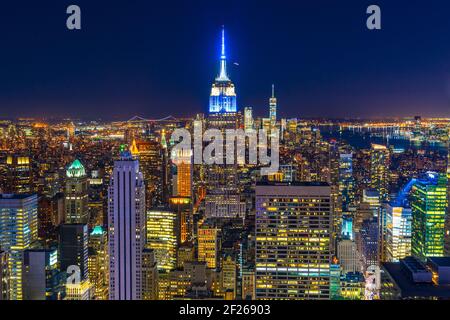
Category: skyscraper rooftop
[76,170]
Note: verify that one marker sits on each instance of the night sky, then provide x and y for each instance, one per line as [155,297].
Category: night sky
[155,58]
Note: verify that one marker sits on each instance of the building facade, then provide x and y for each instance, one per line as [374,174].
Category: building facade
[76,194]
[18,230]
[126,229]
[429,207]
[293,240]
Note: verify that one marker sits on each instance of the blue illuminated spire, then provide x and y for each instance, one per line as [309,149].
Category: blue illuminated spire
[223,95]
[223,60]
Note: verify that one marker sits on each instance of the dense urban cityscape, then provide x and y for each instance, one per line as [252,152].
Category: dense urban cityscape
[101,210]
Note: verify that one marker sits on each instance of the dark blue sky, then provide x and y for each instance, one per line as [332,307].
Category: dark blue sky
[155,58]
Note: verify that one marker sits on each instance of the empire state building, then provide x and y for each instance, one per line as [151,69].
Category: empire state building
[223,95]
[222,189]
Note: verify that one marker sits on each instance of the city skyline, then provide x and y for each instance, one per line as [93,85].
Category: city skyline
[162,176]
[321,57]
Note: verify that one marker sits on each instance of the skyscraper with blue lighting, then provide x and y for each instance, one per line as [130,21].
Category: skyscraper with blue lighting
[223,95]
[222,179]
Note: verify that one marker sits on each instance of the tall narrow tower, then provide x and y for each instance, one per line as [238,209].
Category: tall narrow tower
[126,220]
[223,95]
[447,216]
[76,194]
[273,108]
[222,115]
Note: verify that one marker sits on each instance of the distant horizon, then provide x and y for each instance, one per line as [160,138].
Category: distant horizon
[121,119]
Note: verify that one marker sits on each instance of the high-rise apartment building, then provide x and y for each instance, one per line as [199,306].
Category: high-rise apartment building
[379,170]
[293,240]
[209,243]
[163,237]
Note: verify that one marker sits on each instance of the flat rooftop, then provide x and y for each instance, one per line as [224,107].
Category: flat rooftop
[10,196]
[411,289]
[440,261]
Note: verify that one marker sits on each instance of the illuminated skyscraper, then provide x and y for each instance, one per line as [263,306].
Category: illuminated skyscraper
[18,230]
[19,179]
[222,179]
[293,246]
[397,234]
[163,237]
[76,193]
[447,217]
[150,154]
[182,177]
[98,263]
[429,206]
[223,96]
[126,220]
[379,170]
[209,243]
[182,207]
[273,108]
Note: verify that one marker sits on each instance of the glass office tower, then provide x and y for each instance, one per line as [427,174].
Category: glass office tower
[429,205]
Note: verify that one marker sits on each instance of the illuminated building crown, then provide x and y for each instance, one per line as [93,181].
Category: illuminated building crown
[223,95]
[76,170]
